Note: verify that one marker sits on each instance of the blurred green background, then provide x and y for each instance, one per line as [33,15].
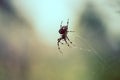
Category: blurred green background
[29,33]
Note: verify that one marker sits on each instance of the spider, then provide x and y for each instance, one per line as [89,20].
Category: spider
[63,31]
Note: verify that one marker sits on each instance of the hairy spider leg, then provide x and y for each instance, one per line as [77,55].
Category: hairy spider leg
[61,24]
[68,39]
[59,39]
[67,22]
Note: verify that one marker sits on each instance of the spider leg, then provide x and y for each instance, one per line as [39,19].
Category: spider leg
[59,39]
[61,24]
[67,22]
[61,42]
[68,39]
[66,42]
[60,51]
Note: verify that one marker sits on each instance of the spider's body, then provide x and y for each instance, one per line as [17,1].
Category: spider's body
[63,31]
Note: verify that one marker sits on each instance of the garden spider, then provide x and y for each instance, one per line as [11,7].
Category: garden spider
[63,31]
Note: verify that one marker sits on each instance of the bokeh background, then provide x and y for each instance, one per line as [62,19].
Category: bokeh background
[29,33]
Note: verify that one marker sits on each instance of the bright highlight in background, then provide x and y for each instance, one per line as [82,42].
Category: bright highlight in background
[52,12]
[46,16]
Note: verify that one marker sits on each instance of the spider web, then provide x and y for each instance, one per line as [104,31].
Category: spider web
[86,46]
